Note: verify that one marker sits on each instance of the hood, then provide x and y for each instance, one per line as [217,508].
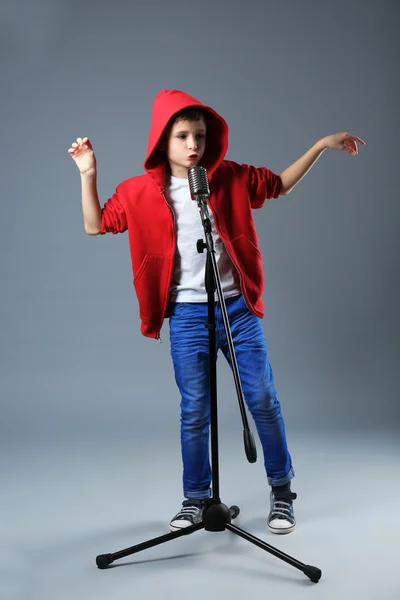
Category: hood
[166,104]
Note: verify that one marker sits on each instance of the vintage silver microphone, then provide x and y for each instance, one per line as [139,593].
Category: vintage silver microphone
[198,183]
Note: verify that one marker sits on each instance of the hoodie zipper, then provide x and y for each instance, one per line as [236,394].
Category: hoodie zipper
[170,278]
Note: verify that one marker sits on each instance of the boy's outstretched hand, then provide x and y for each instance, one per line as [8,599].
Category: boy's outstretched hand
[83,155]
[342,141]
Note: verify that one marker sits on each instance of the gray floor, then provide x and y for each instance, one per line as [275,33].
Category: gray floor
[65,502]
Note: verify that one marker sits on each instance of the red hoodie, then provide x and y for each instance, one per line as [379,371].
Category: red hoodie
[139,205]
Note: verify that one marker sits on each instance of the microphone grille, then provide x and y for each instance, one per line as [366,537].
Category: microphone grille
[198,182]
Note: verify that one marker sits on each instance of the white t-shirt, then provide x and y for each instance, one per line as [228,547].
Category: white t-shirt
[188,278]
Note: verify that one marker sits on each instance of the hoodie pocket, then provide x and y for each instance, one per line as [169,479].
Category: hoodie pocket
[150,285]
[249,260]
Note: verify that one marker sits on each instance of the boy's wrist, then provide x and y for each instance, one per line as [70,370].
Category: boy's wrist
[89,174]
[321,145]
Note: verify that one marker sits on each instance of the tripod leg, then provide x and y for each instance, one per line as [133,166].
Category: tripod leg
[312,572]
[103,560]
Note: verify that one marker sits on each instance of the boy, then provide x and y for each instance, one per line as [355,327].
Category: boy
[163,225]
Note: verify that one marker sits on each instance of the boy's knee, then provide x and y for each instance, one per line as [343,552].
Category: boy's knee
[267,402]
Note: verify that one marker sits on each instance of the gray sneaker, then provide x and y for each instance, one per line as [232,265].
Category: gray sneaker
[281,516]
[191,513]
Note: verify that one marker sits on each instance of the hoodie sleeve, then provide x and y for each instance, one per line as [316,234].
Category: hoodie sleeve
[263,184]
[113,215]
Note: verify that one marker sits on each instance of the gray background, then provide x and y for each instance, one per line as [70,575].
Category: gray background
[78,380]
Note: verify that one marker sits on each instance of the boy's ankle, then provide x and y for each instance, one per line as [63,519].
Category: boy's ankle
[281,488]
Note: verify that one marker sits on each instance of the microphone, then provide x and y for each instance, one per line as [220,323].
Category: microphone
[198,183]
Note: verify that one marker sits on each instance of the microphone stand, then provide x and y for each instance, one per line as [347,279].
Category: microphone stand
[216,515]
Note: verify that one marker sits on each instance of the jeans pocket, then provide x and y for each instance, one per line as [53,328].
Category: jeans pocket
[178,309]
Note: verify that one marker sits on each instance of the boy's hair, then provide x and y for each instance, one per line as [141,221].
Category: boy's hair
[191,113]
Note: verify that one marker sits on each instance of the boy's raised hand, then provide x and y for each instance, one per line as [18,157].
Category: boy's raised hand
[342,141]
[82,153]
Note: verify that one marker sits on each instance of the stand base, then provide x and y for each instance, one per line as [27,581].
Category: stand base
[216,517]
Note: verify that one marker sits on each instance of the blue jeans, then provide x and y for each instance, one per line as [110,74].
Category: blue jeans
[189,351]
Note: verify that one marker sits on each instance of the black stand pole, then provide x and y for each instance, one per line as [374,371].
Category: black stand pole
[216,516]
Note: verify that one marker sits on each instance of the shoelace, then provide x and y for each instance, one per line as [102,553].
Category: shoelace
[188,510]
[282,505]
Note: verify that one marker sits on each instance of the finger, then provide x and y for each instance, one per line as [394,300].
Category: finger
[350,149]
[87,143]
[79,140]
[354,138]
[351,144]
[75,148]
[346,146]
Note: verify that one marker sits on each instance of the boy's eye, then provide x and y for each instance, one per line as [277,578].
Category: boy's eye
[182,136]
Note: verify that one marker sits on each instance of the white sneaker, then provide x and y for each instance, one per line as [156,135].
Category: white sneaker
[191,513]
[281,516]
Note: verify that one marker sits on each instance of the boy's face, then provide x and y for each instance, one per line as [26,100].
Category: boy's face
[185,146]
